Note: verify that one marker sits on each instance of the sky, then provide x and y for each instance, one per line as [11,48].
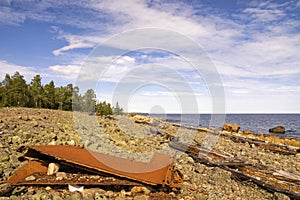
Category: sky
[248,52]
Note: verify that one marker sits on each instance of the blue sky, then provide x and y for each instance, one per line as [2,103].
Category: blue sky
[254,46]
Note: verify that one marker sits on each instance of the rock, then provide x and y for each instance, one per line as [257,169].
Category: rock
[5,188]
[247,132]
[35,124]
[60,176]
[56,196]
[16,140]
[71,143]
[142,197]
[41,194]
[4,156]
[280,196]
[75,196]
[277,129]
[14,197]
[52,142]
[48,188]
[110,194]
[99,196]
[19,190]
[190,160]
[141,190]
[53,168]
[231,128]
[30,178]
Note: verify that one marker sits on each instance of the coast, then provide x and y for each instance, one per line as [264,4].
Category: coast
[135,137]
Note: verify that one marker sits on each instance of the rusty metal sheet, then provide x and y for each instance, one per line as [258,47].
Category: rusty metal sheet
[159,171]
[28,169]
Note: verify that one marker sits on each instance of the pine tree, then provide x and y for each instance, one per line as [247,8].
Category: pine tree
[89,102]
[49,96]
[76,100]
[37,91]
[117,110]
[18,91]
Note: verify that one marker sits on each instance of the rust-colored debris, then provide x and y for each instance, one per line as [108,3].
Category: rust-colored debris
[27,170]
[39,169]
[159,171]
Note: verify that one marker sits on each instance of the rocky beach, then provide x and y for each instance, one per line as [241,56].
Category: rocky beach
[132,137]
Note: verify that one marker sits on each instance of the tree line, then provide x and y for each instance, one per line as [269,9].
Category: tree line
[14,91]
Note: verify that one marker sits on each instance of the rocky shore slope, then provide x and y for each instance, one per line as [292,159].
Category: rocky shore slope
[129,139]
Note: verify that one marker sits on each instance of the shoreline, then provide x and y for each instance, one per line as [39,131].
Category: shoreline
[23,127]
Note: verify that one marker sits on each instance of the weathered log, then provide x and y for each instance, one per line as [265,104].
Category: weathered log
[276,148]
[263,176]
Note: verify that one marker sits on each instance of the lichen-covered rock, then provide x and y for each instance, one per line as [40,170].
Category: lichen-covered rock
[277,129]
[231,128]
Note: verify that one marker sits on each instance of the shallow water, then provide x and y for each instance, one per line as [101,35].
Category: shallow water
[257,123]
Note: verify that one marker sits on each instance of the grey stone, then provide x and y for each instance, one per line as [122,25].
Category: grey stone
[41,195]
[75,196]
[56,196]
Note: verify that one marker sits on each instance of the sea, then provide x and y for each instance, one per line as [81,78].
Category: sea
[257,123]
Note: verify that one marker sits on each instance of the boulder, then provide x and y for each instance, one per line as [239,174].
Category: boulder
[277,129]
[231,128]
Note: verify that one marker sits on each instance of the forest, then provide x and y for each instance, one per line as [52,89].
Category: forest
[16,92]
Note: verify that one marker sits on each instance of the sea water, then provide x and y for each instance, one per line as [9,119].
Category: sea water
[257,123]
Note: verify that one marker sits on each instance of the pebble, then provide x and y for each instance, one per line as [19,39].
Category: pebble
[142,197]
[75,196]
[280,196]
[16,140]
[71,142]
[190,160]
[5,188]
[60,176]
[30,178]
[109,194]
[35,124]
[138,189]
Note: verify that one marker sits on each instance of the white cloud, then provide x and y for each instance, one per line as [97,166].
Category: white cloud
[66,70]
[74,42]
[8,17]
[9,68]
